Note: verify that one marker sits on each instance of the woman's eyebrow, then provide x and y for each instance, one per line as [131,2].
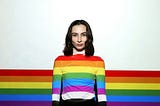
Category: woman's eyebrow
[77,33]
[73,33]
[84,32]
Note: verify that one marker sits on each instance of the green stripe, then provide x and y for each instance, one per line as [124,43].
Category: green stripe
[133,92]
[25,91]
[78,75]
[101,78]
[56,77]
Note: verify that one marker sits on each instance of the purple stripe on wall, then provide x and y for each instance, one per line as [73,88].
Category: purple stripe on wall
[133,104]
[24,103]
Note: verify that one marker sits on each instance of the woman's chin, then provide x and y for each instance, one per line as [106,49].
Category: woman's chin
[79,49]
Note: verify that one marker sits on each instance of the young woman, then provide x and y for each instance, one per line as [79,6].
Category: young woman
[79,76]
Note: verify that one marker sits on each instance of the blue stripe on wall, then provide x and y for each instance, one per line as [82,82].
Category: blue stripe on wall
[25,97]
[133,98]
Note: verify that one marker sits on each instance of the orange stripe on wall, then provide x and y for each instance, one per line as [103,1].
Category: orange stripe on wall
[132,73]
[133,79]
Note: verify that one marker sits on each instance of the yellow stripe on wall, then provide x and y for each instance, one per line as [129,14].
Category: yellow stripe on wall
[26,78]
[142,86]
[26,85]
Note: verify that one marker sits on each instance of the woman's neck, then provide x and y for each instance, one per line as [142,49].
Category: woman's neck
[78,52]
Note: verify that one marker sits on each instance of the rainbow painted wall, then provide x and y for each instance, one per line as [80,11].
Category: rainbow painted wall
[33,87]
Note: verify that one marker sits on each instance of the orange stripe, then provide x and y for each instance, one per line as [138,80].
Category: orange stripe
[79,63]
[133,79]
[25,78]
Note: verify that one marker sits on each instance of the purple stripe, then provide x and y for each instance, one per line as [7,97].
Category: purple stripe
[78,88]
[101,91]
[55,91]
[24,103]
[133,104]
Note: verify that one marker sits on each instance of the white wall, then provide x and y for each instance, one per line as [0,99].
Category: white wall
[126,32]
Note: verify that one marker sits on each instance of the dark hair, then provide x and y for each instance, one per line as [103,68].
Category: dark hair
[89,48]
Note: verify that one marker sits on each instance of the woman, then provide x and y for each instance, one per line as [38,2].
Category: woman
[78,76]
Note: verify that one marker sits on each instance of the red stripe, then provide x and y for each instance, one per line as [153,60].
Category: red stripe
[132,73]
[25,72]
[78,57]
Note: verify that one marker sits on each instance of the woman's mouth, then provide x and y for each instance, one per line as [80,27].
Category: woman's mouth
[79,45]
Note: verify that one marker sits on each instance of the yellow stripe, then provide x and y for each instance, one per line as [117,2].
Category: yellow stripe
[57,71]
[91,70]
[142,86]
[80,69]
[25,85]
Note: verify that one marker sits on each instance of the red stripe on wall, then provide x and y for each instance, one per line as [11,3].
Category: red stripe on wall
[25,72]
[110,73]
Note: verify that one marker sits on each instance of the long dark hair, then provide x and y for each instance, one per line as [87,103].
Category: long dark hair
[89,48]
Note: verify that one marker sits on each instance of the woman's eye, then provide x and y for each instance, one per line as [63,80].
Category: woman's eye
[84,34]
[74,34]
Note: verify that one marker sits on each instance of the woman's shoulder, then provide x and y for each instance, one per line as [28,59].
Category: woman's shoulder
[98,58]
[78,57]
[60,57]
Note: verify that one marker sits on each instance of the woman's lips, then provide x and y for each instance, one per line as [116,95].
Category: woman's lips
[79,45]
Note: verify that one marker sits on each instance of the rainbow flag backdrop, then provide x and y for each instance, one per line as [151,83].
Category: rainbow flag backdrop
[25,87]
[133,88]
[33,87]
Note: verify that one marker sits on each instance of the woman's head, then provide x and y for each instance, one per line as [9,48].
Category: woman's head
[79,37]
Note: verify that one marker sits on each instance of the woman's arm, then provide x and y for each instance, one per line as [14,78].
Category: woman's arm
[56,84]
[100,82]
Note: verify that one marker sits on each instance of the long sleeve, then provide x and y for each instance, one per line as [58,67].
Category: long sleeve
[56,84]
[100,82]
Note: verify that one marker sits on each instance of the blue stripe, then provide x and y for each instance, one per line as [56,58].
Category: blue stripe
[133,98]
[25,97]
[78,82]
[101,84]
[56,84]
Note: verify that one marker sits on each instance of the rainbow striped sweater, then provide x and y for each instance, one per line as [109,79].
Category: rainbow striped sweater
[79,74]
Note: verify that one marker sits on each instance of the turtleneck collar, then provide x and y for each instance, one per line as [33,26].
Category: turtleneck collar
[75,52]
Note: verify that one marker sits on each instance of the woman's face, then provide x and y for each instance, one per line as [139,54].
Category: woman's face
[79,37]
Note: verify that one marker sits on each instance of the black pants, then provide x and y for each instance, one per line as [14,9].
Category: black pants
[78,102]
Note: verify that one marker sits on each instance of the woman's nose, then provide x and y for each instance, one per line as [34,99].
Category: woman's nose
[79,39]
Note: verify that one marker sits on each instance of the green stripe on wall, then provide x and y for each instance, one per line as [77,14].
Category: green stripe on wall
[133,92]
[25,91]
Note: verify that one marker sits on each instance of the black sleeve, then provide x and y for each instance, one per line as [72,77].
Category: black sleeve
[55,103]
[102,104]
[98,103]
